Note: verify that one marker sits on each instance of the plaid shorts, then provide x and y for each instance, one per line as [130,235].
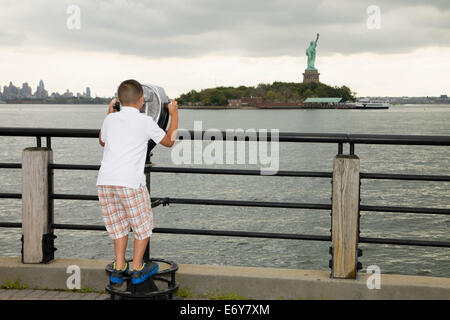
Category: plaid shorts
[123,208]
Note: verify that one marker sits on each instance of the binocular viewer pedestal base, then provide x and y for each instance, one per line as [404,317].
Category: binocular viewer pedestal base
[159,286]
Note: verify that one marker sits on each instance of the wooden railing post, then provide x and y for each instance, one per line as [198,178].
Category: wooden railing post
[345,216]
[37,209]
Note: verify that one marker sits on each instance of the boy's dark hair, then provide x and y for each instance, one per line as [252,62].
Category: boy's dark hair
[129,92]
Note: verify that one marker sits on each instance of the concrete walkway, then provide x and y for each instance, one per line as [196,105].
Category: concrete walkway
[247,282]
[30,294]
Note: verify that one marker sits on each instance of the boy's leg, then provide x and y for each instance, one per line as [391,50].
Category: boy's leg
[120,247]
[115,219]
[139,211]
[139,250]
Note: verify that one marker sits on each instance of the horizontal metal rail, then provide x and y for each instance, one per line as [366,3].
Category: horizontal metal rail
[295,205]
[410,177]
[268,204]
[405,209]
[281,173]
[206,232]
[267,235]
[4,195]
[10,165]
[67,196]
[240,203]
[244,203]
[236,135]
[406,242]
[216,202]
[10,225]
[247,172]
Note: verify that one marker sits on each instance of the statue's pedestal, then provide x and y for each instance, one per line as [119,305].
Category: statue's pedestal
[311,76]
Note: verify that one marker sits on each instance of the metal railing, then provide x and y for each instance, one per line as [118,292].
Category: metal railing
[339,139]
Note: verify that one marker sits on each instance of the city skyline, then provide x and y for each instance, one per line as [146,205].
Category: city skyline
[11,92]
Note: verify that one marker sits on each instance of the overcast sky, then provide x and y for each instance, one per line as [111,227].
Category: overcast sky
[195,44]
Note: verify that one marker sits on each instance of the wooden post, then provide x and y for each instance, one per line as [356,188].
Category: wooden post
[37,211]
[345,216]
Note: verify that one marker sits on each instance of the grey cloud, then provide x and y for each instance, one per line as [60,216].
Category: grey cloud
[253,28]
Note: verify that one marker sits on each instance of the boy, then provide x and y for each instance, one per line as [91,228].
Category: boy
[122,191]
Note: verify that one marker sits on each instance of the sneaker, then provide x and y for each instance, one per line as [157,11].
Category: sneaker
[147,269]
[116,276]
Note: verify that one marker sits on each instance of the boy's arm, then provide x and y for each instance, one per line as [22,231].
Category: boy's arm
[169,138]
[110,110]
[100,139]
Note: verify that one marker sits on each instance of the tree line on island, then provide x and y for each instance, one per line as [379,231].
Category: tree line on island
[277,92]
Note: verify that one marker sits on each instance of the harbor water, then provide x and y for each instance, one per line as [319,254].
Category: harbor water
[194,249]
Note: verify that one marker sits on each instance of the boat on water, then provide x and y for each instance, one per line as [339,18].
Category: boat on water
[369,105]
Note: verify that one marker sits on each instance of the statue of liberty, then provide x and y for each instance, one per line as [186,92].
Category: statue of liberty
[311,53]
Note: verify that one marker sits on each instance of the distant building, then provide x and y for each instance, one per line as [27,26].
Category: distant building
[10,92]
[246,101]
[251,100]
[234,102]
[41,93]
[26,91]
[88,93]
[322,101]
[68,94]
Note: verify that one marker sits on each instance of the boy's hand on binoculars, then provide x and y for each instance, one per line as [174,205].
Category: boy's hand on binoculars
[173,107]
[111,106]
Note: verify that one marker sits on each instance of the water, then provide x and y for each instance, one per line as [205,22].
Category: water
[419,119]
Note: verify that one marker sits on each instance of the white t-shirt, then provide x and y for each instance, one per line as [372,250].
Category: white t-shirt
[126,134]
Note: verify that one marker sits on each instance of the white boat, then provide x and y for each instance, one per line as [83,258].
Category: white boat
[367,104]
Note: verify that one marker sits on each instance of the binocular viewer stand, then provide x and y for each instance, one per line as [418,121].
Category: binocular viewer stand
[159,286]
